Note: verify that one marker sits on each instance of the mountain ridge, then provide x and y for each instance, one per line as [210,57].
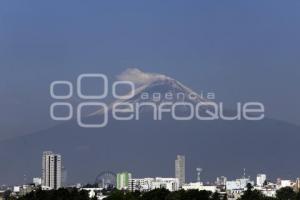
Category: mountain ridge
[149,147]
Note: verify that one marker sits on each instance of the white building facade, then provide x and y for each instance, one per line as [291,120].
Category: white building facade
[199,186]
[260,179]
[238,184]
[140,184]
[171,184]
[180,169]
[51,170]
[147,184]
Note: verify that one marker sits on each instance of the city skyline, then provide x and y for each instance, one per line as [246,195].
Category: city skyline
[126,181]
[170,98]
[199,136]
[52,169]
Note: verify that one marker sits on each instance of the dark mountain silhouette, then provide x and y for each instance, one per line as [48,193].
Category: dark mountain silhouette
[148,147]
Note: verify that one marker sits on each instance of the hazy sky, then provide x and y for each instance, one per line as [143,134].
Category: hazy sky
[242,50]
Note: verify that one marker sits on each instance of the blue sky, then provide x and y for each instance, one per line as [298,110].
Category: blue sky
[242,50]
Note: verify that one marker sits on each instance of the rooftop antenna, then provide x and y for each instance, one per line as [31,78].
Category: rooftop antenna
[244,172]
[199,170]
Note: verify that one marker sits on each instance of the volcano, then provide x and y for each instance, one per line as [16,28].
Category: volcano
[148,147]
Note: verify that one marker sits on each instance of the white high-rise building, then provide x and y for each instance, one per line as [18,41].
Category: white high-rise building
[180,169]
[123,180]
[51,169]
[260,179]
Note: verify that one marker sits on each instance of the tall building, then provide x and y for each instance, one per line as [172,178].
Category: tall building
[51,169]
[260,179]
[180,169]
[123,180]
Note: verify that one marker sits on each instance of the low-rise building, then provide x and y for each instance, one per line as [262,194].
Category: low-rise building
[140,184]
[199,186]
[147,184]
[171,184]
[285,183]
[238,184]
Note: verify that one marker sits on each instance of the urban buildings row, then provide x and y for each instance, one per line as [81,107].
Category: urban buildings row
[233,188]
[53,176]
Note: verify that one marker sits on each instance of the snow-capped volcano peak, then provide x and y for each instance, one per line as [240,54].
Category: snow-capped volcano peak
[156,88]
[165,90]
[139,77]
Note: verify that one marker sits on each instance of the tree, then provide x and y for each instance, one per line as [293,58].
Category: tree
[61,194]
[157,194]
[297,196]
[6,194]
[286,193]
[225,197]
[177,195]
[216,196]
[121,195]
[251,194]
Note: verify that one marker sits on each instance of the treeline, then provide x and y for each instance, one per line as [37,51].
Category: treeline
[60,194]
[286,193]
[158,194]
[163,194]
